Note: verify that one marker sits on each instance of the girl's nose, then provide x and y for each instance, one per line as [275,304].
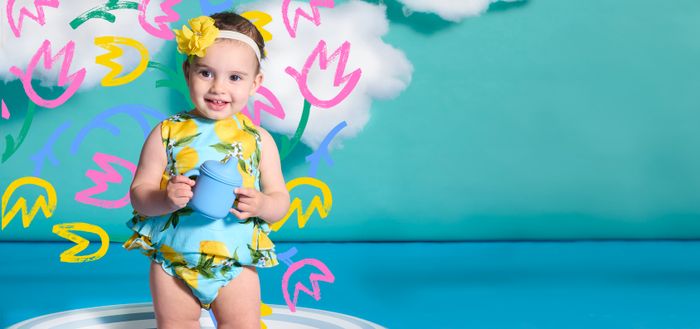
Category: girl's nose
[217,86]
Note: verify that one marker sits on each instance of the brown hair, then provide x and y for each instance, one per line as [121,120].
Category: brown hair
[231,21]
[228,20]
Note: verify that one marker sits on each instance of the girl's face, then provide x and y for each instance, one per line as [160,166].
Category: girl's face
[221,82]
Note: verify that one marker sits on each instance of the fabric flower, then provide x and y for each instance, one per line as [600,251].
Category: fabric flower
[196,41]
[237,150]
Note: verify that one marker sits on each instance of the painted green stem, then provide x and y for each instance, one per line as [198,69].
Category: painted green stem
[10,146]
[175,80]
[103,12]
[287,144]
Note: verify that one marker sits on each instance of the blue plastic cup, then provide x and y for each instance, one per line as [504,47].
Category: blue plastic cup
[214,188]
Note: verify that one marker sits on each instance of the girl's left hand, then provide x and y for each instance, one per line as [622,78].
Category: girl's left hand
[249,203]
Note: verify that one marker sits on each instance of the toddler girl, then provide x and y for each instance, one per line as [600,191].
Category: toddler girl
[198,261]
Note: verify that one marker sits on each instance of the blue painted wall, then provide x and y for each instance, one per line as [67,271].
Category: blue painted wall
[536,120]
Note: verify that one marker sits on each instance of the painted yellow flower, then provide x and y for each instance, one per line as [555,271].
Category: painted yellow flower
[196,41]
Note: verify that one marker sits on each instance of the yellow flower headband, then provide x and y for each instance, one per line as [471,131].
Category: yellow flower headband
[203,34]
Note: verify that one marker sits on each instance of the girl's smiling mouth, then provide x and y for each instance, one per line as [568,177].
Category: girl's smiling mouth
[215,101]
[216,104]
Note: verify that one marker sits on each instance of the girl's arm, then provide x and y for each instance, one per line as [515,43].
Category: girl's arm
[273,203]
[272,180]
[146,196]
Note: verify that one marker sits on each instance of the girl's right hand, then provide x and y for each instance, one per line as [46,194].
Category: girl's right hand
[179,191]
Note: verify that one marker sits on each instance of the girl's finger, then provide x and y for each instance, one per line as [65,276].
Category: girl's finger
[183,192]
[187,194]
[242,207]
[182,179]
[244,191]
[238,214]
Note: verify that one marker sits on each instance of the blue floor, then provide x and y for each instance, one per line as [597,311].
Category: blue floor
[653,284]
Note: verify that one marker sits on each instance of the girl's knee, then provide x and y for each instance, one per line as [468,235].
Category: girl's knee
[176,318]
[245,324]
[177,324]
[248,317]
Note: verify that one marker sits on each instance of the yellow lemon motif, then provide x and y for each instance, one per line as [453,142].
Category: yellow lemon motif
[128,244]
[147,241]
[185,160]
[261,241]
[182,130]
[171,255]
[229,133]
[165,132]
[227,130]
[215,248]
[190,276]
[248,180]
[138,241]
[164,180]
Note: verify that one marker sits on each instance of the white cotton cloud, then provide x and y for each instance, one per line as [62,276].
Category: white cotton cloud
[451,10]
[18,51]
[385,70]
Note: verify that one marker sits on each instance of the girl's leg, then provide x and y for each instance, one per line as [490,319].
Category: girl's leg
[173,302]
[238,303]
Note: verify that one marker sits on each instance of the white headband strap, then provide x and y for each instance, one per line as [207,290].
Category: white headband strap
[240,37]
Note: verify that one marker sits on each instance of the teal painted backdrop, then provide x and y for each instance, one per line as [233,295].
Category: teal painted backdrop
[536,120]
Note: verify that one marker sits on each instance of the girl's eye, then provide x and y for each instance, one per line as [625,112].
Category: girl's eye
[205,73]
[235,77]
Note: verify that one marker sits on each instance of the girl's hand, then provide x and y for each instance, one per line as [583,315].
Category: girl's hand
[179,191]
[249,203]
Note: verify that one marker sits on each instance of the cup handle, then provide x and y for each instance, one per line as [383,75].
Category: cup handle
[192,173]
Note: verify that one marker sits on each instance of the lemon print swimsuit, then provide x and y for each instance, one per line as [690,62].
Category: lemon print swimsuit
[205,253]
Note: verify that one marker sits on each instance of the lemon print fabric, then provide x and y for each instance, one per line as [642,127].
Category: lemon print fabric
[205,253]
[217,250]
[263,247]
